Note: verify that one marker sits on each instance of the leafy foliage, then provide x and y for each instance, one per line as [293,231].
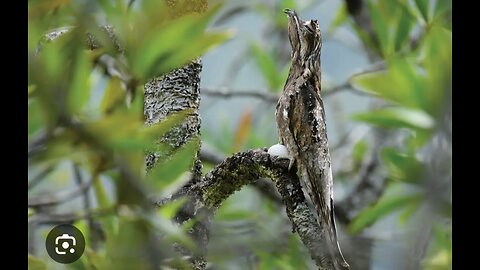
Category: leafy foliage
[107,140]
[81,111]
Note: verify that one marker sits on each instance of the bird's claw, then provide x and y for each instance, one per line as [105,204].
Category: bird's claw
[290,164]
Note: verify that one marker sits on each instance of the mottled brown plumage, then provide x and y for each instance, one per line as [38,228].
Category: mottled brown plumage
[301,124]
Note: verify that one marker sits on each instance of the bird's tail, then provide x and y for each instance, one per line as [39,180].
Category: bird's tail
[326,220]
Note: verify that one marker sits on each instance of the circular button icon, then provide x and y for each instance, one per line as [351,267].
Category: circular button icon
[65,243]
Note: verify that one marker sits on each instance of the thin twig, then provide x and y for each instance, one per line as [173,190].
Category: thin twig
[228,93]
[59,196]
[271,97]
[40,176]
[52,218]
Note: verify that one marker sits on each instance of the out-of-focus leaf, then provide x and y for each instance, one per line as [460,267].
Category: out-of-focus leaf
[119,131]
[79,83]
[129,248]
[35,116]
[437,51]
[243,131]
[403,27]
[398,117]
[268,66]
[158,130]
[291,4]
[235,215]
[114,95]
[379,24]
[95,259]
[167,172]
[65,145]
[340,18]
[40,7]
[401,166]
[171,45]
[401,83]
[385,206]
[359,150]
[442,260]
[408,211]
[104,203]
[443,237]
[186,52]
[442,8]
[289,259]
[423,7]
[170,209]
[35,263]
[31,89]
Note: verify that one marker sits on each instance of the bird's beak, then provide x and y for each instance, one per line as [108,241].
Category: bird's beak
[289,12]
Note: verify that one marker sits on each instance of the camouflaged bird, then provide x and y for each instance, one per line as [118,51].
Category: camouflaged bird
[300,120]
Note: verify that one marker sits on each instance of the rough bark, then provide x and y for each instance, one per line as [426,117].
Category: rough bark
[245,168]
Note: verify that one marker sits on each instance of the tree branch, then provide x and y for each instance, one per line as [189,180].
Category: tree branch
[59,197]
[228,93]
[245,168]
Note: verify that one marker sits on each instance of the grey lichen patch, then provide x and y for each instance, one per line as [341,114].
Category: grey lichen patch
[175,91]
[228,177]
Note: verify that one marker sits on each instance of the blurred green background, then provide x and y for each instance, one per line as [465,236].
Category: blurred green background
[386,79]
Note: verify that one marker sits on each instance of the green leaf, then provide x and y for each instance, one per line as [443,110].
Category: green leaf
[443,237]
[104,202]
[35,117]
[119,131]
[158,130]
[437,51]
[95,259]
[359,150]
[291,4]
[401,166]
[173,171]
[423,7]
[402,83]
[385,206]
[340,18]
[408,211]
[380,26]
[235,215]
[268,67]
[79,83]
[170,209]
[187,51]
[170,45]
[403,28]
[398,117]
[442,8]
[114,95]
[31,89]
[127,248]
[35,263]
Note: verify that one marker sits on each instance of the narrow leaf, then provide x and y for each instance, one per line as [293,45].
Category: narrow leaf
[243,131]
[401,166]
[35,263]
[267,65]
[79,85]
[398,117]
[168,172]
[114,95]
[423,7]
[384,207]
